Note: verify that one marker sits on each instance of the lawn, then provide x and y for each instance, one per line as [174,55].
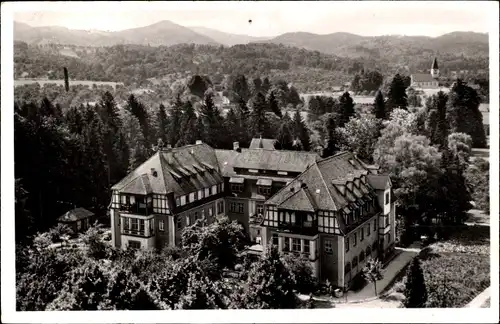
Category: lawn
[455,270]
[454,279]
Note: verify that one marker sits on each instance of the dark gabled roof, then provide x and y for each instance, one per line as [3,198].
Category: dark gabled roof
[262,143]
[299,200]
[276,160]
[75,214]
[176,170]
[422,77]
[435,64]
[139,185]
[324,183]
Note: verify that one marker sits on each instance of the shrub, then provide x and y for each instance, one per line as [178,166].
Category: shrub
[454,279]
[301,269]
[415,289]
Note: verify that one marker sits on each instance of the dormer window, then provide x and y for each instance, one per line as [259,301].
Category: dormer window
[236,187]
[264,190]
[236,184]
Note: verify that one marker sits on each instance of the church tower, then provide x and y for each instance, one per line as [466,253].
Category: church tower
[435,69]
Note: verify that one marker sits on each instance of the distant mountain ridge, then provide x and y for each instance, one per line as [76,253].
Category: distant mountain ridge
[339,43]
[347,44]
[226,38]
[161,33]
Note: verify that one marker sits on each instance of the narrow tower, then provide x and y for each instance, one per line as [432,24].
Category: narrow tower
[435,69]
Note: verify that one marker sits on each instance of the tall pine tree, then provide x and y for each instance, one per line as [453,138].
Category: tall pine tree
[285,136]
[214,124]
[396,96]
[301,131]
[332,145]
[273,105]
[346,108]
[259,124]
[415,290]
[174,131]
[379,106]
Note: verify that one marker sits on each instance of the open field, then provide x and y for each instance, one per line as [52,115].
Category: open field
[61,82]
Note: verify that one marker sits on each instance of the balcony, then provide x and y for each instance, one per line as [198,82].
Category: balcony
[137,209]
[304,228]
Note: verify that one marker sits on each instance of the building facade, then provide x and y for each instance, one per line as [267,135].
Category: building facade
[426,81]
[335,212]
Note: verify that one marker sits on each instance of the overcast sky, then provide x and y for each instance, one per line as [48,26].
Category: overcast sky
[271,18]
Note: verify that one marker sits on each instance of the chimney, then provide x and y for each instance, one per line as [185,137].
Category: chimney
[198,142]
[236,146]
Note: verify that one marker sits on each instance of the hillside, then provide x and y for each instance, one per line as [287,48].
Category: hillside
[344,44]
[137,64]
[161,33]
[227,38]
[140,64]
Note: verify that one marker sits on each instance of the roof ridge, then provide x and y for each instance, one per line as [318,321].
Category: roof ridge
[327,189]
[271,150]
[333,156]
[295,179]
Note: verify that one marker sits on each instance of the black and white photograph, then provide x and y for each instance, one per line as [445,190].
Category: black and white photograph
[327,159]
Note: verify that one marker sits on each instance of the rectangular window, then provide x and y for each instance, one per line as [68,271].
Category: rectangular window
[196,215]
[179,223]
[296,245]
[240,208]
[214,190]
[387,198]
[220,207]
[287,244]
[135,224]
[264,190]
[202,213]
[134,244]
[188,220]
[362,237]
[236,187]
[161,225]
[191,197]
[177,201]
[210,212]
[183,200]
[260,209]
[200,194]
[328,247]
[253,171]
[374,225]
[275,239]
[368,230]
[207,192]
[346,244]
[355,239]
[306,246]
[141,226]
